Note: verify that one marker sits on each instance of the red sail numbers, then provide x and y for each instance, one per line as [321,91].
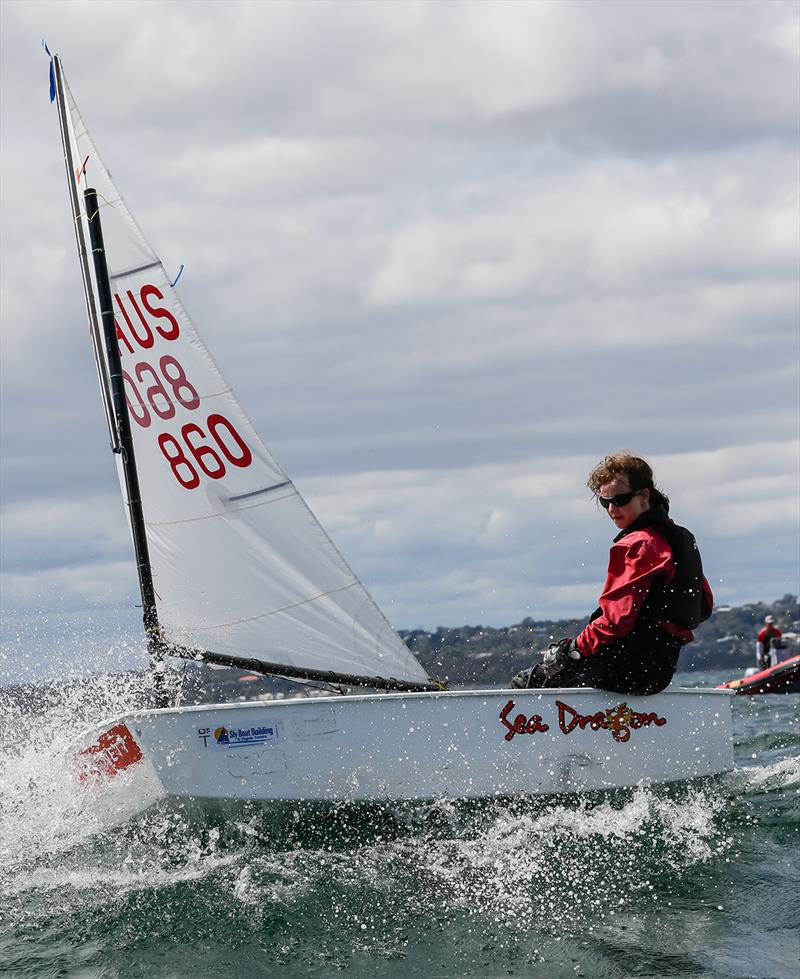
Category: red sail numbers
[158,389]
[138,327]
[619,720]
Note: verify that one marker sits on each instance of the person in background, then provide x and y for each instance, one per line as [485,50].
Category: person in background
[654,595]
[768,641]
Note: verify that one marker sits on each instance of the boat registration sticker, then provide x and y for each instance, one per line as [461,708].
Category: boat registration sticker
[113,752]
[231,736]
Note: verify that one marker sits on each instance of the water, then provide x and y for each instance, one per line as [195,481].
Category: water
[694,880]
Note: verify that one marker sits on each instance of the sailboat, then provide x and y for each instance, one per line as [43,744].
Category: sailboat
[236,571]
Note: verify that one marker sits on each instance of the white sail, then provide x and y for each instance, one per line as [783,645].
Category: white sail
[240,564]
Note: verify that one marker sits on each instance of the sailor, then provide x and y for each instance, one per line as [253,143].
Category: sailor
[654,595]
[768,641]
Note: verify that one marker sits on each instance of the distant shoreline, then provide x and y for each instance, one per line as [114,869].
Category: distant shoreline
[470,654]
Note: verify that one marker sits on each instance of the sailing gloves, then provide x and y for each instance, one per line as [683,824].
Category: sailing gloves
[558,655]
[555,658]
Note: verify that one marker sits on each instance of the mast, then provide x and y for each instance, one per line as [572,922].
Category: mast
[75,204]
[122,426]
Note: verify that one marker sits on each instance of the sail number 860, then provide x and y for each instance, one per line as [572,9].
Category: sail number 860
[194,453]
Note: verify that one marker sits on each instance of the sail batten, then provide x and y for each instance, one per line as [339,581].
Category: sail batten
[139,268]
[232,555]
[259,492]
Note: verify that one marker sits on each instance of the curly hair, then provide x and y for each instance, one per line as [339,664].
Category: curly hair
[623,465]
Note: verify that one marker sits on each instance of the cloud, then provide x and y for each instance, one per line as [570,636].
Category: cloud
[449,255]
[626,230]
[505,541]
[73,588]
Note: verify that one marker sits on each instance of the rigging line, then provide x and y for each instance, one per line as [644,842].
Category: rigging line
[211,516]
[91,217]
[107,202]
[275,611]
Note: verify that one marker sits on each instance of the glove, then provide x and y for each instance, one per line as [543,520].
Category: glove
[558,655]
[522,680]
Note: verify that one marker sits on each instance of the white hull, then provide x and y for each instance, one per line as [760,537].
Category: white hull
[408,746]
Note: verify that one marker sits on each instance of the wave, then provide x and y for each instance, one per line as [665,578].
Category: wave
[315,888]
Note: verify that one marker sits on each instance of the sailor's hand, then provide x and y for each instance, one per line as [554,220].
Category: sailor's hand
[558,655]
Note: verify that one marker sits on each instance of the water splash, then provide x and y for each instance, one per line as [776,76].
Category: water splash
[321,887]
[44,808]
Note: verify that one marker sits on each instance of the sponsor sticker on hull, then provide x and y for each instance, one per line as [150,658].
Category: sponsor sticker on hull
[232,736]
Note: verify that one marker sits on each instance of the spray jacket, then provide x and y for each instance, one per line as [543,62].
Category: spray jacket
[655,581]
[767,634]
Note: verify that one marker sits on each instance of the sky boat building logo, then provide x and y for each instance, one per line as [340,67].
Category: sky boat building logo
[245,737]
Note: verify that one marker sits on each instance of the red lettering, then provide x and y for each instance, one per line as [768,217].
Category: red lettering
[245,456]
[204,455]
[567,725]
[121,336]
[503,715]
[182,469]
[175,374]
[142,416]
[159,312]
[165,408]
[535,725]
[521,724]
[147,340]
[113,752]
[619,720]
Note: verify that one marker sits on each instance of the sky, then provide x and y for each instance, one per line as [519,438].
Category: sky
[449,255]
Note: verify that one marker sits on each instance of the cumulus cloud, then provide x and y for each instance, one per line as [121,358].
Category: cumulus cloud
[448,254]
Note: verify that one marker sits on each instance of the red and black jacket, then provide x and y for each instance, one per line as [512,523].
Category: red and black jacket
[655,578]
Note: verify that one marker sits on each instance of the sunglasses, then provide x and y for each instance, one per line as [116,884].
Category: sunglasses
[621,499]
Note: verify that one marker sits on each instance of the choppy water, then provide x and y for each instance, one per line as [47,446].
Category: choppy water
[695,880]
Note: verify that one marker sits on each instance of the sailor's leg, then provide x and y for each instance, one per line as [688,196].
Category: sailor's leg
[643,663]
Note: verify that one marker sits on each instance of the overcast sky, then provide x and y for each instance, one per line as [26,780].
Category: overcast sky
[449,255]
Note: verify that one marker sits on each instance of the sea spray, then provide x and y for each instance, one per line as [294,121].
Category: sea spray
[668,881]
[44,807]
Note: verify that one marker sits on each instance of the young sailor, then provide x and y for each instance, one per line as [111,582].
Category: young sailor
[654,595]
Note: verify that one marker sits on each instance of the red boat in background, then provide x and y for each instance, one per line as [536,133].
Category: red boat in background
[782,678]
